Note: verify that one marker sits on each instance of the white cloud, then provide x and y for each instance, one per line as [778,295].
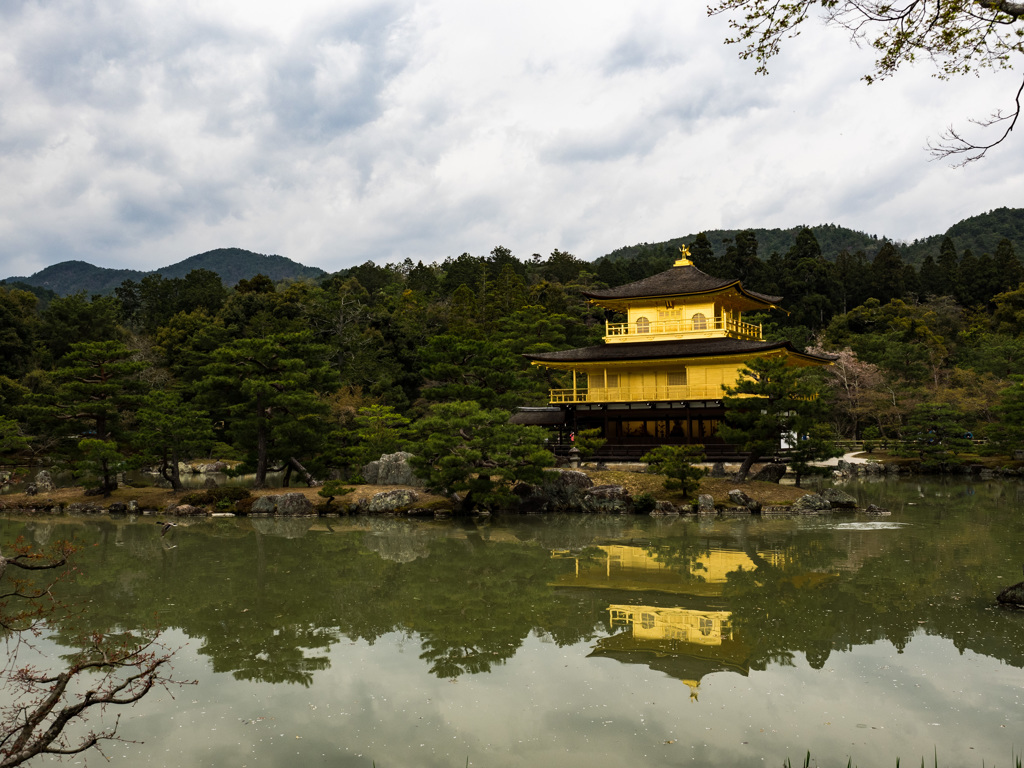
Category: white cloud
[136,133]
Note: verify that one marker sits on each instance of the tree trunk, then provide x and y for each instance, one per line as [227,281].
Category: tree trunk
[174,478]
[261,447]
[311,481]
[105,467]
[175,473]
[748,462]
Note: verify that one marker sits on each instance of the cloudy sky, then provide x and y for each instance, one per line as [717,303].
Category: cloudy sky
[136,133]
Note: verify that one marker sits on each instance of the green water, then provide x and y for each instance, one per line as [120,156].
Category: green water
[580,641]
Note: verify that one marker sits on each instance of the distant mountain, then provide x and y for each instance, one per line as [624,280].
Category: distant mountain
[979,233]
[833,239]
[232,264]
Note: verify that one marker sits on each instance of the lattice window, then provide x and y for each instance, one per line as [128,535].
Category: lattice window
[700,322]
[643,325]
[677,379]
[613,380]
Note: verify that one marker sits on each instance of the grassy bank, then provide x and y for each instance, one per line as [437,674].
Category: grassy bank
[635,482]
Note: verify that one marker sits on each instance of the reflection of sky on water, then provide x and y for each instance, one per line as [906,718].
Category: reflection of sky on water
[551,706]
[719,606]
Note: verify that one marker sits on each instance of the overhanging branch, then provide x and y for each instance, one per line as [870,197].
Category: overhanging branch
[953,144]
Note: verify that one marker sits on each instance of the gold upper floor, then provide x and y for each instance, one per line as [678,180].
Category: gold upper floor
[670,320]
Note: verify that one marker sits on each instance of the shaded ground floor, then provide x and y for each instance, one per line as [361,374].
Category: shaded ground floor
[632,429]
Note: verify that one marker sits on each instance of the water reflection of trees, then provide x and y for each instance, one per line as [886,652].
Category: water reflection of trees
[268,607]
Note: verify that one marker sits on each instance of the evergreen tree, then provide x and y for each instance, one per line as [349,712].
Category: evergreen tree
[70,319]
[973,282]
[379,431]
[770,402]
[936,433]
[169,430]
[931,278]
[949,268]
[463,448]
[887,274]
[19,324]
[1007,267]
[1006,435]
[810,282]
[562,267]
[702,254]
[268,388]
[853,280]
[97,388]
[677,463]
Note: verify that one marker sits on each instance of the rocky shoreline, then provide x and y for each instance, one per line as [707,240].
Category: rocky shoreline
[562,492]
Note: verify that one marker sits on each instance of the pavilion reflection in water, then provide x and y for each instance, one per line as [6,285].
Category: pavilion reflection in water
[669,616]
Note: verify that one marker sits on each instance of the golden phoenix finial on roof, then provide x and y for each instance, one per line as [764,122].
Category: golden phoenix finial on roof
[684,257]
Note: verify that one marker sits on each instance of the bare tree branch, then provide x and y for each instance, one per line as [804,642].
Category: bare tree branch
[952,144]
[958,36]
[37,707]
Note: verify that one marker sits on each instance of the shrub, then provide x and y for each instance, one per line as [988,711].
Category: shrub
[644,503]
[676,462]
[222,493]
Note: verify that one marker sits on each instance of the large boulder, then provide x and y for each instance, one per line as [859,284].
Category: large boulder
[563,491]
[739,497]
[264,505]
[391,469]
[1012,595]
[613,499]
[205,469]
[389,502]
[876,511]
[568,478]
[775,510]
[665,508]
[44,482]
[706,505]
[284,504]
[718,469]
[770,473]
[186,510]
[84,508]
[839,499]
[810,504]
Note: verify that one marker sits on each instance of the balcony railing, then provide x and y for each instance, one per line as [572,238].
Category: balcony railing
[654,329]
[635,394]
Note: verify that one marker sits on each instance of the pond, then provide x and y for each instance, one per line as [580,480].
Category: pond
[572,641]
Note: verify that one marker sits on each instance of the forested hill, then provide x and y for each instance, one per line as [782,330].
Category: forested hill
[833,240]
[232,264]
[979,234]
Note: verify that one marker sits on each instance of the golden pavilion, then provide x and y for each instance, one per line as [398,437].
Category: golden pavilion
[659,376]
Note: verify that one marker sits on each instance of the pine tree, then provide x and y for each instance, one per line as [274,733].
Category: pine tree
[770,402]
[269,390]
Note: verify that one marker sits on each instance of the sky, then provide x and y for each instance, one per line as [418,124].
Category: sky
[136,133]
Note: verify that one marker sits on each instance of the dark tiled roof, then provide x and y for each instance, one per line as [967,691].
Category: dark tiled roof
[674,282]
[657,350]
[551,416]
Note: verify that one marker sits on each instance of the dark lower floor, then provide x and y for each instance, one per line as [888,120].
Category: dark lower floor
[632,429]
